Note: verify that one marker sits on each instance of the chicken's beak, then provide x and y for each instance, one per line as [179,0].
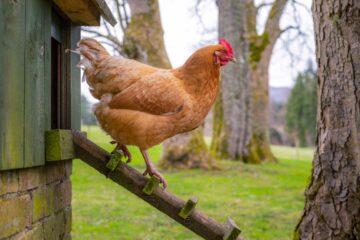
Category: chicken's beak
[233,59]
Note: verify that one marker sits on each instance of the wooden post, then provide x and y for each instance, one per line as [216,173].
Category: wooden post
[189,206]
[59,145]
[135,182]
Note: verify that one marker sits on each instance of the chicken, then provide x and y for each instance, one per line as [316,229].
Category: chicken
[142,105]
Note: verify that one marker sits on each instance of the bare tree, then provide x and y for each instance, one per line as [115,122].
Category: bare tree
[332,203]
[231,126]
[113,36]
[241,117]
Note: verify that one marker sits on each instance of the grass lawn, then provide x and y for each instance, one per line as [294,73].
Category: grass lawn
[264,200]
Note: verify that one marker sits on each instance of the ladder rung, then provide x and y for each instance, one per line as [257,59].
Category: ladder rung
[114,161]
[188,207]
[150,186]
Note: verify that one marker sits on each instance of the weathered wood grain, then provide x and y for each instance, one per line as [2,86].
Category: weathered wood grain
[74,78]
[59,145]
[232,230]
[34,86]
[82,12]
[12,29]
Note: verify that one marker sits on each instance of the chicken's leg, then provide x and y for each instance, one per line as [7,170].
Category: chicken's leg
[150,168]
[124,149]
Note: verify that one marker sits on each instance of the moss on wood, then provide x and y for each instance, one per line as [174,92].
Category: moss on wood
[257,46]
[59,145]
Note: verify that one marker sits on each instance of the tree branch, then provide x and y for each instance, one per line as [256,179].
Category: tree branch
[265,4]
[303,6]
[110,37]
[273,20]
[251,17]
[126,17]
[120,17]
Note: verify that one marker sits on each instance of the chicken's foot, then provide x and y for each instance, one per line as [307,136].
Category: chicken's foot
[150,169]
[124,149]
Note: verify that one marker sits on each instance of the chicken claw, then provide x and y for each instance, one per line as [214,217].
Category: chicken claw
[150,169]
[153,172]
[124,149]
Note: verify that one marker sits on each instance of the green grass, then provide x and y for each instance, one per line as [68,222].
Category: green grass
[265,200]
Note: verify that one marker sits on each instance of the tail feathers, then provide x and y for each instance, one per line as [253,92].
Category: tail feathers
[92,51]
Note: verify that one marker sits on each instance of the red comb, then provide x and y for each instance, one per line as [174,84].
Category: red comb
[226,44]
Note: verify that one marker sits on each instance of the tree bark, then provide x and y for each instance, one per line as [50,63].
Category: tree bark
[261,47]
[248,138]
[332,202]
[143,38]
[187,150]
[231,126]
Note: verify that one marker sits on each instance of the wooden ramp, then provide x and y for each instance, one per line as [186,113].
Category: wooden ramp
[145,188]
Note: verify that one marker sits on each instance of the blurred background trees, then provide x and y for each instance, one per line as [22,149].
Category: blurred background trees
[241,124]
[249,115]
[301,109]
[87,116]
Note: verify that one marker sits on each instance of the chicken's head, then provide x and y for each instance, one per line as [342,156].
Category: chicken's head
[225,55]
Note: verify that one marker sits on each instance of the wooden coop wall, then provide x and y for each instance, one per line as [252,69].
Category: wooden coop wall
[25,81]
[35,197]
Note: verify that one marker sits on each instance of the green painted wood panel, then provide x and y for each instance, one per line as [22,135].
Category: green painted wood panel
[47,70]
[35,47]
[75,80]
[12,29]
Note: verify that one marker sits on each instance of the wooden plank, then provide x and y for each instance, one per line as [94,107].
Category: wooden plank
[81,12]
[12,29]
[188,207]
[74,77]
[47,68]
[59,145]
[34,144]
[134,182]
[105,11]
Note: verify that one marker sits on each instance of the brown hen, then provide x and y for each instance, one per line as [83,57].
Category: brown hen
[142,105]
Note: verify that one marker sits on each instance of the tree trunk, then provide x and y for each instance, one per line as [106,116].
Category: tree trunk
[145,35]
[143,38]
[332,204]
[259,147]
[187,150]
[143,41]
[261,47]
[241,121]
[231,126]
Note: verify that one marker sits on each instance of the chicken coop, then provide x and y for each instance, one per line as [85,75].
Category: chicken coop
[40,123]
[39,91]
